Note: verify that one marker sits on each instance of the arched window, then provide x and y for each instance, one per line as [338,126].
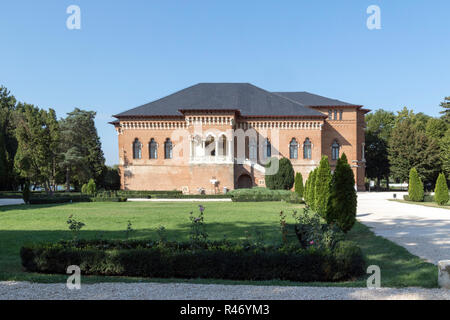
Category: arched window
[153,148]
[335,150]
[253,149]
[223,145]
[210,146]
[137,149]
[293,149]
[268,148]
[307,149]
[168,149]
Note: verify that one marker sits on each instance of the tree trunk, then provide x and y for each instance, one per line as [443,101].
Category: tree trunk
[68,179]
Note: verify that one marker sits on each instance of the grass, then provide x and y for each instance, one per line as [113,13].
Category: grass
[426,204]
[24,224]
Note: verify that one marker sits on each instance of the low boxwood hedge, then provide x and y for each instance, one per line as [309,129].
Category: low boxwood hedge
[426,198]
[264,194]
[218,260]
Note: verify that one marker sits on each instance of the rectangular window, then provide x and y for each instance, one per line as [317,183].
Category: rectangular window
[330,113]
[335,115]
[340,114]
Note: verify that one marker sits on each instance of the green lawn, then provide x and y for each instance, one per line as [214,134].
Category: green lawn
[22,224]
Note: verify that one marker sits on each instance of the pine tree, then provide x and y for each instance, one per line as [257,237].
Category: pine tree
[283,179]
[446,112]
[415,187]
[341,209]
[322,186]
[299,184]
[441,191]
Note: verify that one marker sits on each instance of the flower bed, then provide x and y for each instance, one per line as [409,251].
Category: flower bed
[219,260]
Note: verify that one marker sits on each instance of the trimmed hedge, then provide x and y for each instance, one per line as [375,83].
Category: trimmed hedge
[426,198]
[218,260]
[263,194]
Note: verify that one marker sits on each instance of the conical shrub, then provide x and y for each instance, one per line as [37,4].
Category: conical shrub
[441,191]
[415,187]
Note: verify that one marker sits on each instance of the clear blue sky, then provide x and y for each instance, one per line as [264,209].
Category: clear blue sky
[128,53]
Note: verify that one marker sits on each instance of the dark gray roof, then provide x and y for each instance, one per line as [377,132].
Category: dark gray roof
[309,99]
[248,99]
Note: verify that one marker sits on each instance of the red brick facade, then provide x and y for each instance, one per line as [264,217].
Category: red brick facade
[214,149]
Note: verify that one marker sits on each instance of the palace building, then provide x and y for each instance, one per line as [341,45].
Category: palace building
[213,137]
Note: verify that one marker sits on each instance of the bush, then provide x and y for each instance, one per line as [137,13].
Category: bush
[299,184]
[283,179]
[260,194]
[322,186]
[441,191]
[219,260]
[312,188]
[342,202]
[415,187]
[91,188]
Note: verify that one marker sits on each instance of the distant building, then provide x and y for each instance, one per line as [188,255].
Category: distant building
[212,136]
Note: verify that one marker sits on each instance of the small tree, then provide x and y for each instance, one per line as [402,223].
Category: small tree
[283,179]
[415,187]
[299,184]
[91,188]
[322,186]
[26,193]
[312,188]
[341,208]
[441,192]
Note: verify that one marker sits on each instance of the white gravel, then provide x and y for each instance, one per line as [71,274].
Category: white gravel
[423,231]
[183,291]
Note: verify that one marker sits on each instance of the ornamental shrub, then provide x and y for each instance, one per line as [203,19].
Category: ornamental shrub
[283,179]
[322,186]
[441,191]
[312,188]
[415,187]
[91,188]
[341,209]
[299,184]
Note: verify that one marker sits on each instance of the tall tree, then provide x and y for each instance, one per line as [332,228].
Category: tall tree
[436,128]
[410,147]
[446,112]
[37,134]
[378,131]
[83,155]
[377,162]
[380,123]
[8,142]
[445,154]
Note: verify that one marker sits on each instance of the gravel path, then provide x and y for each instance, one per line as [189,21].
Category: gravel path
[7,202]
[183,291]
[424,231]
